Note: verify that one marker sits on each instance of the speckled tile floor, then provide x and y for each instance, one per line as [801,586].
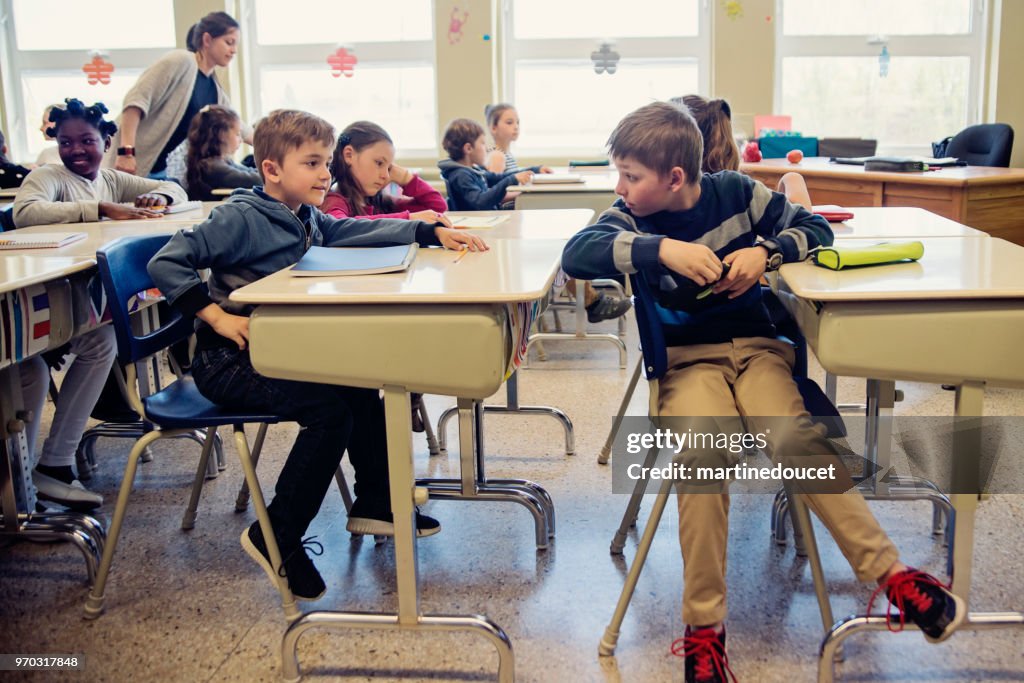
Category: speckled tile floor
[193,607]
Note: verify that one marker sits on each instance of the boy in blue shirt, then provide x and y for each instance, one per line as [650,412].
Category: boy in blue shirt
[255,233]
[679,227]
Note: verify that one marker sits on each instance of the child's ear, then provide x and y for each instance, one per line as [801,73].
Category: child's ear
[270,171]
[348,153]
[676,178]
[467,149]
[106,143]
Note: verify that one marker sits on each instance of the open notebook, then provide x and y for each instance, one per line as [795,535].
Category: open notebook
[38,240]
[335,261]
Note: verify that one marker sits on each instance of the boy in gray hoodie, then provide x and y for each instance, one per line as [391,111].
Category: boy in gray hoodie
[255,233]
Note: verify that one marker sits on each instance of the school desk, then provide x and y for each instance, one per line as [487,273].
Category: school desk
[8,193]
[596,192]
[441,327]
[899,223]
[989,199]
[957,317]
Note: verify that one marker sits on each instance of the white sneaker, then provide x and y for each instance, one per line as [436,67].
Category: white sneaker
[73,495]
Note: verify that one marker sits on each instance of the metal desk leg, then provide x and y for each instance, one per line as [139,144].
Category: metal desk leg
[403,494]
[969,399]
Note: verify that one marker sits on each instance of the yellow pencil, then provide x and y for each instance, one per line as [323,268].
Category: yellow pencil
[462,253]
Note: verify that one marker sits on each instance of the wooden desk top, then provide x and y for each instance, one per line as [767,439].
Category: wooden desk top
[512,270]
[955,176]
[20,269]
[951,268]
[899,222]
[8,193]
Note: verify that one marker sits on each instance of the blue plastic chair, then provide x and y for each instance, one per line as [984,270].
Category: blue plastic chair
[176,409]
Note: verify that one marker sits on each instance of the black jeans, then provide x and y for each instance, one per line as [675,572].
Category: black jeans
[331,418]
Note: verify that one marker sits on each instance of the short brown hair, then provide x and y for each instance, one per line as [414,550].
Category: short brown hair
[458,133]
[714,118]
[283,130]
[660,136]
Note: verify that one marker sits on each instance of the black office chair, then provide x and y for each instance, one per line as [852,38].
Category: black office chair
[987,144]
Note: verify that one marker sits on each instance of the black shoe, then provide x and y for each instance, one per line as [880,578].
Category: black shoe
[705,660]
[605,307]
[924,600]
[416,401]
[384,525]
[304,580]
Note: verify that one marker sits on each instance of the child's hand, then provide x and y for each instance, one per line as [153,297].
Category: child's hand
[746,266]
[694,261]
[228,325]
[524,177]
[546,169]
[119,212]
[429,216]
[400,175]
[150,200]
[457,239]
[510,196]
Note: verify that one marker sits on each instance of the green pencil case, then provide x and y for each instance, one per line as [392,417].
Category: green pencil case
[839,257]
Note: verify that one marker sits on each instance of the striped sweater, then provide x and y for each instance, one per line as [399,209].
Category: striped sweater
[732,213]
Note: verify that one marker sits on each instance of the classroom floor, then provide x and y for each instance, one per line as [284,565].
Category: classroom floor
[193,607]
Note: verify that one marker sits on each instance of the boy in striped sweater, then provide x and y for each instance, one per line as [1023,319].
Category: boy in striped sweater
[680,228]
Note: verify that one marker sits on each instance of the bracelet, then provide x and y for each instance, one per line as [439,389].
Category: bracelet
[126,151]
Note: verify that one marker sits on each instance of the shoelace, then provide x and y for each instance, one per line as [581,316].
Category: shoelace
[707,649]
[314,547]
[902,588]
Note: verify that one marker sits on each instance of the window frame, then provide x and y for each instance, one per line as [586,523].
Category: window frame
[970,45]
[660,48]
[19,124]
[255,57]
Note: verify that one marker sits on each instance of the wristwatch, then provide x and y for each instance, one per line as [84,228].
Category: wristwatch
[126,151]
[774,256]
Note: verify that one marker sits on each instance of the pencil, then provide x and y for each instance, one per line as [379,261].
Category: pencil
[462,253]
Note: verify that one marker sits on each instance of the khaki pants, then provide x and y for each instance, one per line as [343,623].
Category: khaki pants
[752,378]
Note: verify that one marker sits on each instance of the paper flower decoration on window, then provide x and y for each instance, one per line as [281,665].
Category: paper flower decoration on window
[883,62]
[98,70]
[455,24]
[605,59]
[342,62]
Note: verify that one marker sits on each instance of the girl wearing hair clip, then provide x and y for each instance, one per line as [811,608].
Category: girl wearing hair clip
[213,138]
[363,166]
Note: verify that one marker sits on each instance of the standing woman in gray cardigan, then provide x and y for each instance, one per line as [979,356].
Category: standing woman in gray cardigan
[159,107]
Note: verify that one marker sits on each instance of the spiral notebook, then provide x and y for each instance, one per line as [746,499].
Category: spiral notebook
[38,240]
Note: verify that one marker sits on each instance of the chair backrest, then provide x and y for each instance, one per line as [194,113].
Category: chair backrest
[652,338]
[987,144]
[7,219]
[122,265]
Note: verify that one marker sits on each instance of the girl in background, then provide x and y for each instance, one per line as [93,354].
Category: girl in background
[213,138]
[11,174]
[503,120]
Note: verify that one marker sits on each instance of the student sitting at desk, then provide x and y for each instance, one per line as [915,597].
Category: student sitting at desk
[11,174]
[503,120]
[253,234]
[214,136]
[79,190]
[470,186]
[678,227]
[74,191]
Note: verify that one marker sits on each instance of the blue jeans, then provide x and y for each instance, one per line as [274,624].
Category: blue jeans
[331,418]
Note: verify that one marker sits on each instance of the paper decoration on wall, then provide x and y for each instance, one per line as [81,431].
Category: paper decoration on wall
[883,62]
[455,24]
[733,9]
[98,70]
[605,59]
[342,62]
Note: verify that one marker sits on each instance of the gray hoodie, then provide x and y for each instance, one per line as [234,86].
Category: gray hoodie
[252,235]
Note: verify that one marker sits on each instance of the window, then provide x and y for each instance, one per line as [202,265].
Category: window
[834,79]
[391,81]
[43,58]
[566,107]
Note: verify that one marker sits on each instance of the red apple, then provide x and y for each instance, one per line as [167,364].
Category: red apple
[751,152]
[795,156]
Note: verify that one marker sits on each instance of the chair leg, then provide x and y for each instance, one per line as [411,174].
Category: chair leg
[242,500]
[606,450]
[94,603]
[346,494]
[188,522]
[802,525]
[432,446]
[632,511]
[291,612]
[611,632]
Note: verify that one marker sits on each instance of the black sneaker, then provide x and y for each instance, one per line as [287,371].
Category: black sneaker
[606,307]
[925,601]
[304,580]
[384,525]
[704,657]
